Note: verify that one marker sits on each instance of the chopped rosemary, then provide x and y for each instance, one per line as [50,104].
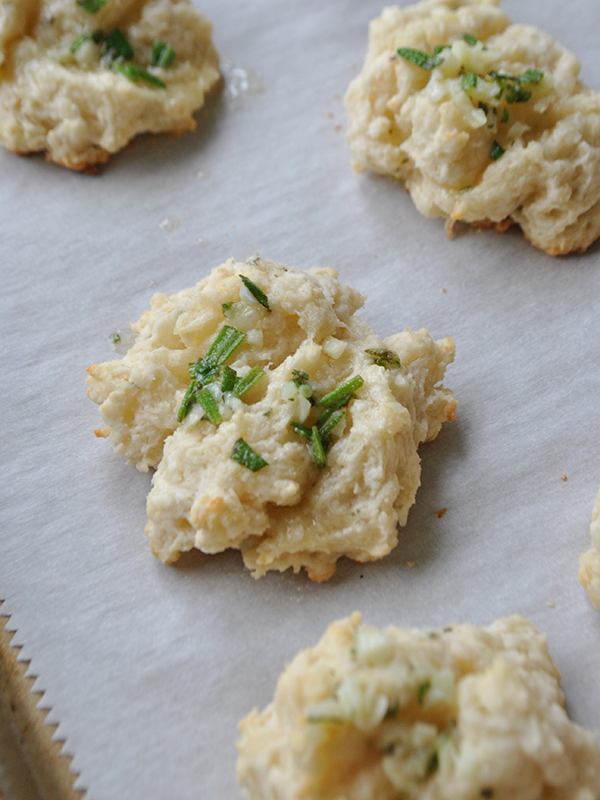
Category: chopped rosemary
[229,379]
[247,457]
[228,340]
[432,763]
[79,41]
[439,47]
[163,55]
[341,396]
[317,449]
[96,36]
[470,39]
[511,86]
[209,404]
[91,6]
[384,357]
[244,384]
[335,418]
[468,81]
[497,151]
[136,73]
[116,45]
[419,58]
[206,368]
[302,430]
[422,690]
[299,378]
[256,291]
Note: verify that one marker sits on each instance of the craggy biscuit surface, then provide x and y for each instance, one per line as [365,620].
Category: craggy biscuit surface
[300,509]
[483,121]
[589,562]
[79,84]
[407,714]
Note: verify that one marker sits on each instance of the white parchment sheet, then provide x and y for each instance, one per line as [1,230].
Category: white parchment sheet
[148,668]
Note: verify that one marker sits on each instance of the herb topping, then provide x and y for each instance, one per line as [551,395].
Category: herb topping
[206,368]
[116,45]
[384,357]
[497,151]
[256,291]
[247,457]
[91,6]
[163,55]
[419,58]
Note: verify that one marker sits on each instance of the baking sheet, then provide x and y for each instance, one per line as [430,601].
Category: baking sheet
[148,668]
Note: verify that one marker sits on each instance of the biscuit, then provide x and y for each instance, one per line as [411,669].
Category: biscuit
[483,121]
[318,476]
[589,562]
[80,78]
[453,714]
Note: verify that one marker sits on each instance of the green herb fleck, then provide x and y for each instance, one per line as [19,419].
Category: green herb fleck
[470,39]
[244,384]
[300,378]
[302,430]
[226,306]
[135,73]
[497,151]
[465,188]
[512,85]
[531,76]
[326,428]
[317,449]
[115,338]
[229,379]
[504,117]
[247,457]
[439,47]
[432,763]
[209,404]
[384,357]
[342,395]
[228,340]
[79,41]
[468,81]
[116,45]
[91,6]
[256,291]
[419,58]
[206,368]
[163,55]
[422,690]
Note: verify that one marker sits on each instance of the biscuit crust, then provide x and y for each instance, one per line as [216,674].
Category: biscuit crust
[470,145]
[390,714]
[295,512]
[589,562]
[59,94]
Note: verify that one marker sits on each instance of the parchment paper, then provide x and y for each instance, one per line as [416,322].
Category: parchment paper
[148,668]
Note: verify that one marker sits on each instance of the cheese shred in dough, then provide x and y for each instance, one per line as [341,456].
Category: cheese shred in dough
[462,713]
[294,512]
[489,125]
[589,562]
[63,90]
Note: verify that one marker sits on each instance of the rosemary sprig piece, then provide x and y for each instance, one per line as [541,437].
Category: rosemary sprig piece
[247,457]
[256,291]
